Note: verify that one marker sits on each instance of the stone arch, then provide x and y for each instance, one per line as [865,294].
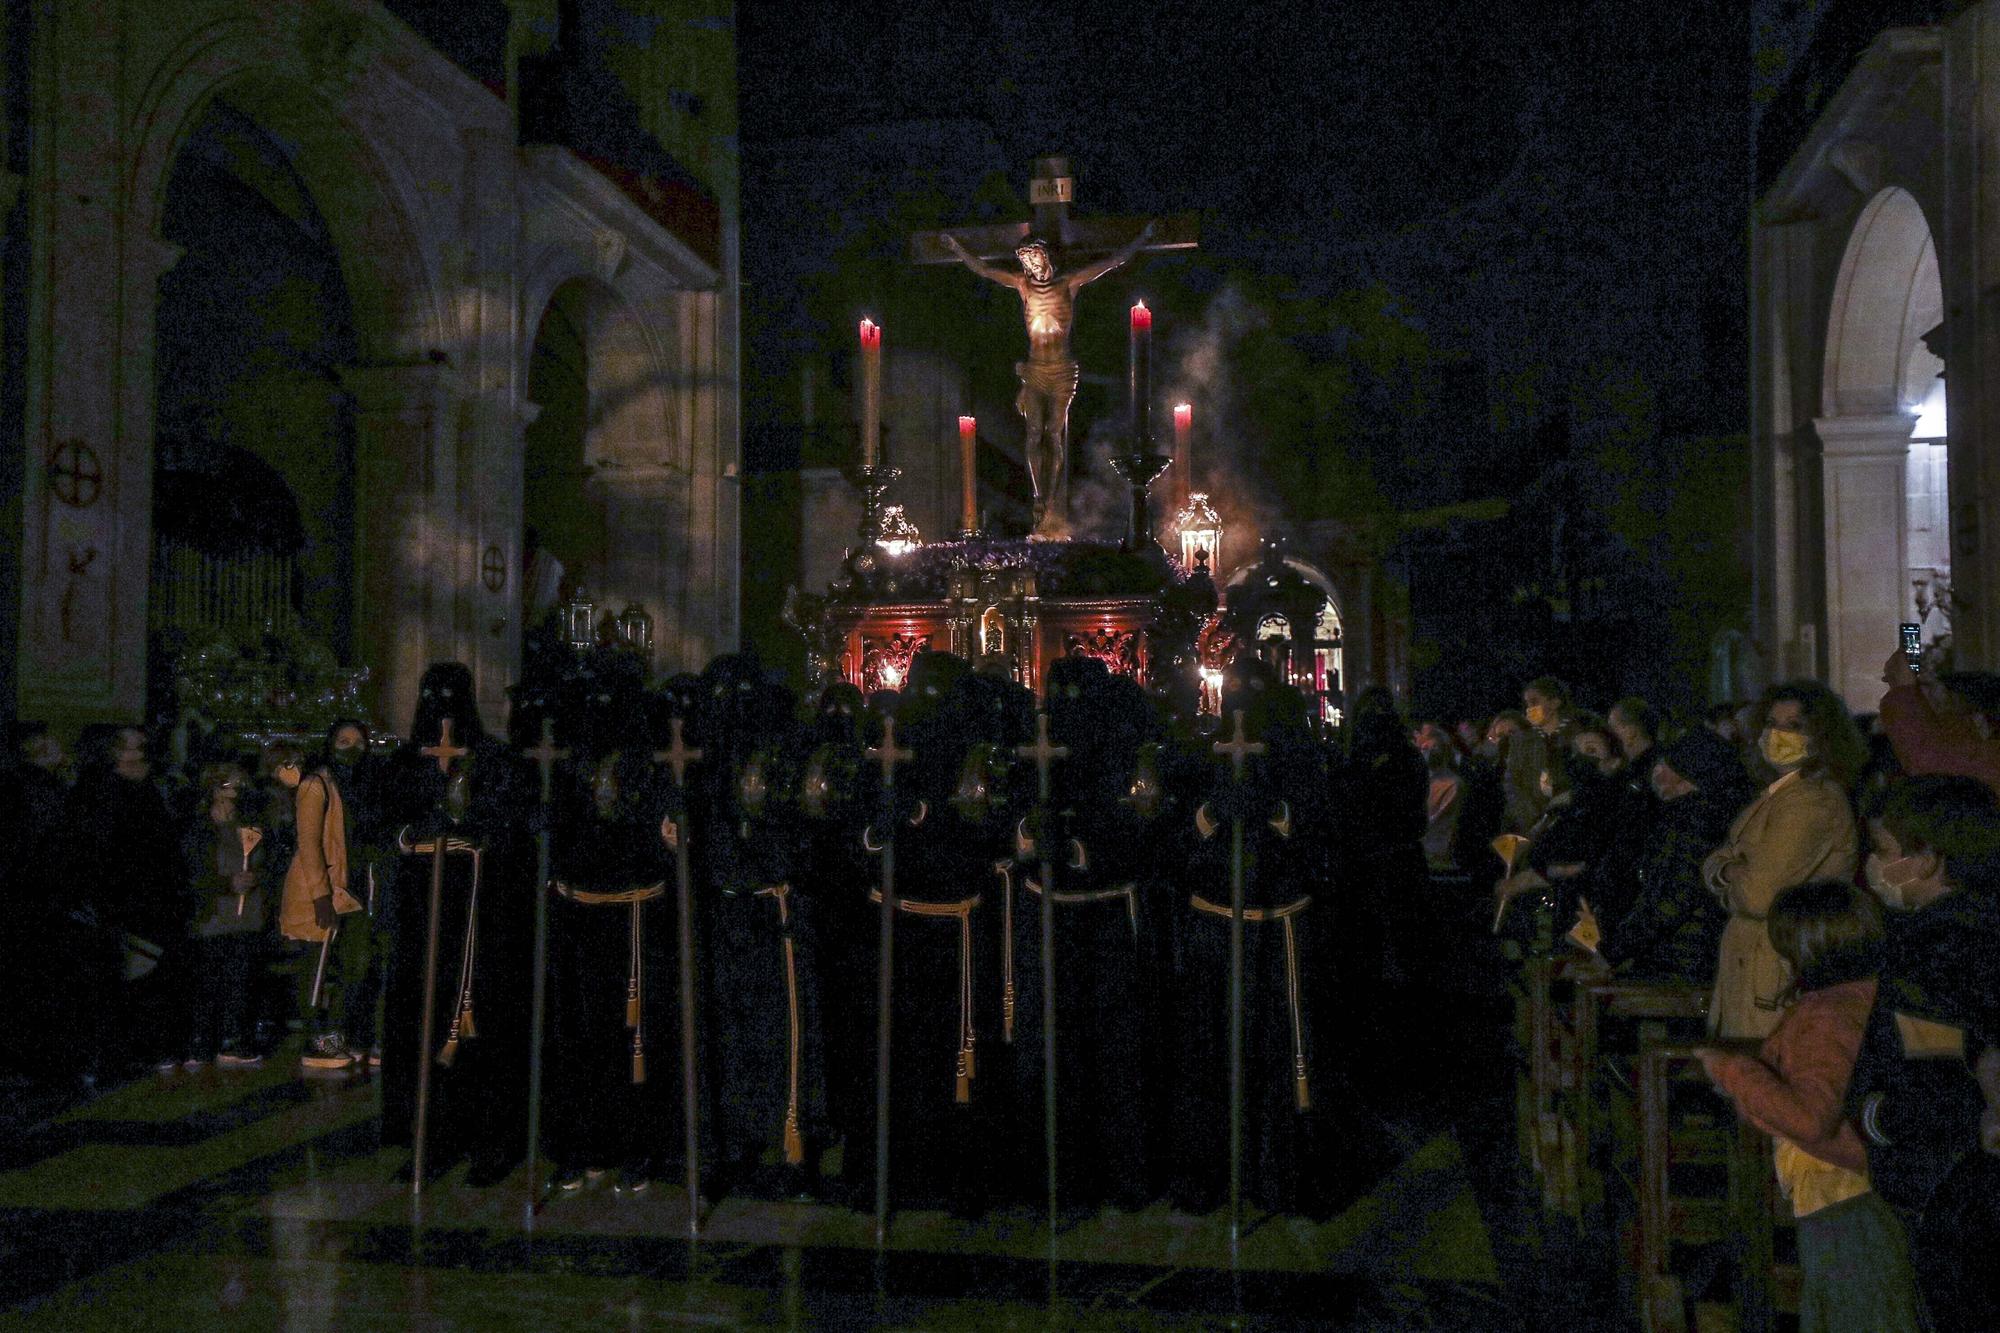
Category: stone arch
[368,203]
[1882,496]
[632,451]
[1259,594]
[326,95]
[640,411]
[1886,298]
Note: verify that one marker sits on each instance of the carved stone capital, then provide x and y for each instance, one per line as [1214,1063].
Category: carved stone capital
[1876,435]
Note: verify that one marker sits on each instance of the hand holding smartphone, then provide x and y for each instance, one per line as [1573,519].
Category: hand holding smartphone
[1913,646]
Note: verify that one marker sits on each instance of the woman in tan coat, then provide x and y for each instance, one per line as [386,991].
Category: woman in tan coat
[1801,828]
[315,897]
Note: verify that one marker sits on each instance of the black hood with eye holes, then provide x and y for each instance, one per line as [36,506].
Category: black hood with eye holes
[446,692]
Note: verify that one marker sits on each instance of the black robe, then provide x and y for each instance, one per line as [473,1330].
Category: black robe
[945,1013]
[1098,859]
[1286,1143]
[612,1090]
[478,1103]
[766,1017]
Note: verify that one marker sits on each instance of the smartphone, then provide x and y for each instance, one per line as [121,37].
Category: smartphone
[1913,645]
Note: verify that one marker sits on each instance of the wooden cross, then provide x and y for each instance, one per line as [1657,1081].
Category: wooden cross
[887,754]
[677,755]
[1050,193]
[1042,752]
[546,754]
[444,751]
[1238,748]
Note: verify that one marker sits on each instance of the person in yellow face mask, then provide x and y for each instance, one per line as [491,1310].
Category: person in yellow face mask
[1537,750]
[1801,828]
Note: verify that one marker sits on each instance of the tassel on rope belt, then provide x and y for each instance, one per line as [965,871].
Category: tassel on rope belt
[635,957]
[962,909]
[462,1028]
[1282,915]
[795,1144]
[1064,898]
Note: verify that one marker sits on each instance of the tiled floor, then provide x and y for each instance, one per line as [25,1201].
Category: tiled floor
[222,1201]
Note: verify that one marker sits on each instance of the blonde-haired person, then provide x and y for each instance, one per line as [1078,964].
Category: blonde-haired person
[1800,828]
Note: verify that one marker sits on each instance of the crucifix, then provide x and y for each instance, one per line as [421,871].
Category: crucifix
[1056,255]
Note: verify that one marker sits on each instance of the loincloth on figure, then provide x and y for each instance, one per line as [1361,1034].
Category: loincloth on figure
[1045,379]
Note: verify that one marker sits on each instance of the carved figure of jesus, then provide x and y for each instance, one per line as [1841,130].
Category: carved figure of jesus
[1049,375]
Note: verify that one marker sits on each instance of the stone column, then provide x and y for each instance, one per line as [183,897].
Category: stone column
[407,536]
[1864,467]
[1781,308]
[489,502]
[1969,270]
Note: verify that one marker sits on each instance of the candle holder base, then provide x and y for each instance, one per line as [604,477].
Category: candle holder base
[1140,470]
[874,482]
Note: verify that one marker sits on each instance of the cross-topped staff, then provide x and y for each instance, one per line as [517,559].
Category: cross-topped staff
[1044,753]
[546,756]
[444,751]
[1238,750]
[677,756]
[889,755]
[446,754]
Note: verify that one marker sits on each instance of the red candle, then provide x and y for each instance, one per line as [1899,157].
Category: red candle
[1142,377]
[968,462]
[871,390]
[1184,448]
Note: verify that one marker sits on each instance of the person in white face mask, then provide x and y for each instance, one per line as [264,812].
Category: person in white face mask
[1935,863]
[1801,828]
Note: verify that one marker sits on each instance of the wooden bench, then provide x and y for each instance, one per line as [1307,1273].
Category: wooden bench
[1705,1179]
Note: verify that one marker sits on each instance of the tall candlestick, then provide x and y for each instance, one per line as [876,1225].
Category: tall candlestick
[968,471]
[871,390]
[1142,377]
[1183,451]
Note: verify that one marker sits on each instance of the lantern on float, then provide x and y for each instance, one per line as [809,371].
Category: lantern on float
[635,632]
[899,534]
[579,620]
[1201,531]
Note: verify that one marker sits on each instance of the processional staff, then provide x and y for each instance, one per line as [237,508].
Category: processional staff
[1237,749]
[677,756]
[545,755]
[889,756]
[1044,754]
[446,754]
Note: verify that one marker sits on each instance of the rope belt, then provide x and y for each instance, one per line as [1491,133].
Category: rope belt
[462,1027]
[1064,898]
[795,1146]
[1282,915]
[635,956]
[1005,870]
[962,909]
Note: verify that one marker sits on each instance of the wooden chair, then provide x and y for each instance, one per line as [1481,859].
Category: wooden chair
[1597,1030]
[1705,1179]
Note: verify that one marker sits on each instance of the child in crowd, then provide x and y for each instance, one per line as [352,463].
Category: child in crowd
[224,851]
[1852,1247]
